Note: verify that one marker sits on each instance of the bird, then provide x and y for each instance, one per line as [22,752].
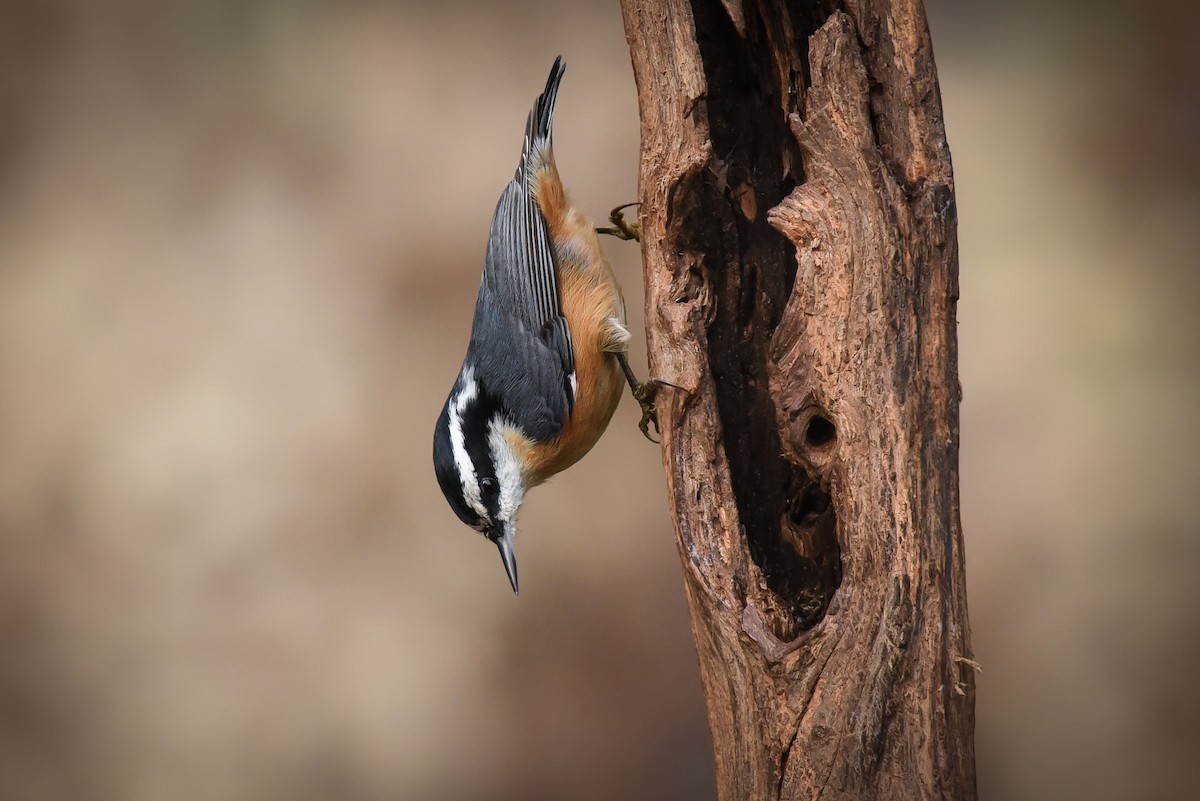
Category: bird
[547,359]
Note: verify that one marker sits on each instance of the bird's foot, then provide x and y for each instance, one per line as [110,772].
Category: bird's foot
[645,393]
[621,227]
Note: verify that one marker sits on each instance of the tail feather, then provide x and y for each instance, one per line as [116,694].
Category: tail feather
[539,126]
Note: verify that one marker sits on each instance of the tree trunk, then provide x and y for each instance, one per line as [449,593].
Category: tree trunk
[801,267]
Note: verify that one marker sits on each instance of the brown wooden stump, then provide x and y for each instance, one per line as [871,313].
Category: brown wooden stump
[801,263]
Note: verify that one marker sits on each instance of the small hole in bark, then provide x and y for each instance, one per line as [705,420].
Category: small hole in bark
[692,287]
[808,505]
[819,432]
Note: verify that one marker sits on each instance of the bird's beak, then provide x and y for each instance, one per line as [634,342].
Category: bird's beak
[502,535]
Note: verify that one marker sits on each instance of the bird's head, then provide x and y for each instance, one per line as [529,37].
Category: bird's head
[479,466]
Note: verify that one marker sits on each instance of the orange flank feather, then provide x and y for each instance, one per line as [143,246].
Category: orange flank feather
[595,311]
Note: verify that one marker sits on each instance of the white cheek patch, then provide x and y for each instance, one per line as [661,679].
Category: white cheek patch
[466,471]
[508,468]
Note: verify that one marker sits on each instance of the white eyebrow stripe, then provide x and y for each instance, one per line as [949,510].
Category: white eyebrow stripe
[466,470]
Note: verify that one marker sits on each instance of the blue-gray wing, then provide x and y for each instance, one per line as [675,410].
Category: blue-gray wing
[519,324]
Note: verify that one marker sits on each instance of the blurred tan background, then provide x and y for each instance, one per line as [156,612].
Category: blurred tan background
[239,244]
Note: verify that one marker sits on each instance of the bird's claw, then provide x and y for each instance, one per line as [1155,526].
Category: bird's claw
[645,393]
[622,228]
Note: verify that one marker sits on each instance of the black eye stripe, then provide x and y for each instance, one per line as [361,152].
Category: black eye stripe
[475,416]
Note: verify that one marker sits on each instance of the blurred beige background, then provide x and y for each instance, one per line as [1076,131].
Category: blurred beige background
[239,244]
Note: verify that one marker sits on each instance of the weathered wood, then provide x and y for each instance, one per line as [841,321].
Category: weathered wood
[800,250]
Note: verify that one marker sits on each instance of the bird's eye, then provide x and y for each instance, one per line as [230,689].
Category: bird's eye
[488,486]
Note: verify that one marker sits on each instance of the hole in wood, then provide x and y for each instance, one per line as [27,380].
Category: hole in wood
[802,568]
[809,504]
[693,286]
[820,432]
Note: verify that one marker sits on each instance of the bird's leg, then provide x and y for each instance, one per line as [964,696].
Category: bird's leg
[622,228]
[644,392]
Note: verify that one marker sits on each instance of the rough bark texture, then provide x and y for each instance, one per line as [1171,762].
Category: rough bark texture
[801,263]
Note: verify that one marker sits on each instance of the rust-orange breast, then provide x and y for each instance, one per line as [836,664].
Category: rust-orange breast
[590,298]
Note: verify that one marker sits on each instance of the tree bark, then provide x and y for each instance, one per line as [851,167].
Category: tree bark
[801,268]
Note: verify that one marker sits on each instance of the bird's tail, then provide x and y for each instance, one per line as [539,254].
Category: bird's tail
[536,150]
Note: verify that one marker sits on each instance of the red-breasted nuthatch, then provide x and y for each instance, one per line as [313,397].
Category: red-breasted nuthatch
[543,370]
